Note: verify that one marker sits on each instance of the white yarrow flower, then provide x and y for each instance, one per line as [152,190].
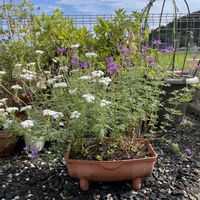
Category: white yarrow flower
[60,85]
[27,123]
[51,80]
[75,115]
[11,109]
[74,46]
[52,113]
[7,124]
[31,64]
[18,65]
[89,97]
[64,68]
[91,55]
[39,52]
[59,76]
[26,71]
[3,100]
[97,73]
[72,91]
[105,80]
[47,72]
[16,87]
[4,113]
[26,108]
[104,102]
[27,76]
[2,72]
[85,77]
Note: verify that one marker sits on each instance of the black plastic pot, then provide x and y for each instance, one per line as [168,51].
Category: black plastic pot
[174,84]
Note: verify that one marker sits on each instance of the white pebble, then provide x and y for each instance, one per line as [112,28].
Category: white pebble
[17,174]
[17,197]
[27,179]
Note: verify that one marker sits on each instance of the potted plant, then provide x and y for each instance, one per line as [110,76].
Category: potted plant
[178,82]
[102,118]
[8,136]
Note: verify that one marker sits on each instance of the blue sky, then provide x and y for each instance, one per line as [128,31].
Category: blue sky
[108,6]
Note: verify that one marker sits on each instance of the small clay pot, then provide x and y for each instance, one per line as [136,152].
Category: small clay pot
[120,170]
[7,143]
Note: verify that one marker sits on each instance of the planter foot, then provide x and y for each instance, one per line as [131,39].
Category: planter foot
[136,183]
[84,184]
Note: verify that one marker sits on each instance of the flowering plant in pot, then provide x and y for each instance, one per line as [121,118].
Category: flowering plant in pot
[103,115]
[39,127]
[178,82]
[8,136]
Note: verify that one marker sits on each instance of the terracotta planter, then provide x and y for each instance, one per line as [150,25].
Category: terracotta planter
[121,170]
[7,143]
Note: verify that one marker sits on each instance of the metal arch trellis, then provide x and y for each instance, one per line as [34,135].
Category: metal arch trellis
[146,12]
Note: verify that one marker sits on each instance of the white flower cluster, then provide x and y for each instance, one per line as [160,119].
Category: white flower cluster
[97,73]
[59,76]
[2,72]
[7,124]
[73,91]
[11,109]
[27,75]
[105,80]
[75,46]
[17,65]
[51,80]
[52,113]
[39,52]
[26,108]
[60,85]
[85,77]
[104,102]
[3,100]
[89,97]
[16,87]
[27,123]
[3,112]
[31,64]
[64,68]
[75,115]
[91,55]
[47,72]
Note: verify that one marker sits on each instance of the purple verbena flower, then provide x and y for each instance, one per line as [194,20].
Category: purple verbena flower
[144,54]
[33,154]
[74,61]
[109,59]
[151,60]
[113,67]
[145,48]
[194,56]
[25,148]
[83,65]
[157,42]
[62,49]
[126,51]
[141,31]
[168,49]
[188,151]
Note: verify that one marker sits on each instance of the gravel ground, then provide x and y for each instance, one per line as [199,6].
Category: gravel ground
[176,174]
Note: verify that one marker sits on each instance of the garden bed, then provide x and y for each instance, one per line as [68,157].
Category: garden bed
[176,175]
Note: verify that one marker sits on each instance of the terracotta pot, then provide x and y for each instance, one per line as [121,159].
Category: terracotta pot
[21,115]
[120,170]
[7,143]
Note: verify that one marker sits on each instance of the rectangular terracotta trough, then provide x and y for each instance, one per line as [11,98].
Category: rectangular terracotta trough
[121,170]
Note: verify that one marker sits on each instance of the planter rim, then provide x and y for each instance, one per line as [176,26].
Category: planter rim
[5,134]
[150,149]
[182,80]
